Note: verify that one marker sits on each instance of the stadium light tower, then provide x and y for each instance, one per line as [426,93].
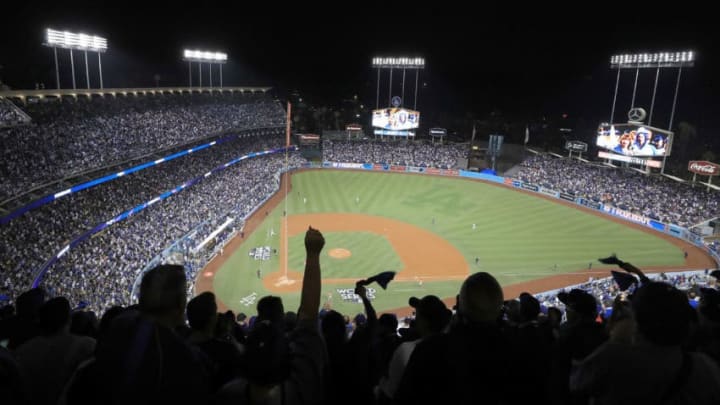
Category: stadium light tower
[82,42]
[657,60]
[415,63]
[201,57]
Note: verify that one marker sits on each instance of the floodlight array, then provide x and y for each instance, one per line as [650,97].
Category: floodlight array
[659,59]
[398,62]
[204,56]
[70,40]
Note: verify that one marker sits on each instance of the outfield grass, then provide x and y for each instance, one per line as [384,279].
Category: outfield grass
[518,237]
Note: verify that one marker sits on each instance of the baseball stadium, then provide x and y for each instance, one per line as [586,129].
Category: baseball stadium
[191,244]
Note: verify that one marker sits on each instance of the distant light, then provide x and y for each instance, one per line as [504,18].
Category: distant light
[659,59]
[399,62]
[357,115]
[69,40]
[204,56]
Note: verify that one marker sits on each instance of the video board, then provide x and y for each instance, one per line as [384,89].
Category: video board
[634,140]
[395,119]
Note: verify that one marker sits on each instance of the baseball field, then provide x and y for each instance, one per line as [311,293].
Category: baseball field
[433,231]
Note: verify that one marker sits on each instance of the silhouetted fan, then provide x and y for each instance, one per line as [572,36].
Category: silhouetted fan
[383,279]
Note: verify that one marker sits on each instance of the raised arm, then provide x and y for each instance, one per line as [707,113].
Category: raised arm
[310,296]
[370,313]
[625,266]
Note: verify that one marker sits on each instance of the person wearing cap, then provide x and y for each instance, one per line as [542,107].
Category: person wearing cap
[659,143]
[654,368]
[431,318]
[577,338]
[642,146]
[472,362]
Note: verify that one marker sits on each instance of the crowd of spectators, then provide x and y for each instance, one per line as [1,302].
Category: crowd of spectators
[606,291]
[9,116]
[101,270]
[71,136]
[30,240]
[655,197]
[488,348]
[407,153]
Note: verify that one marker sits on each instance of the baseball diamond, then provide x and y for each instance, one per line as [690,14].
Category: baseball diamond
[435,255]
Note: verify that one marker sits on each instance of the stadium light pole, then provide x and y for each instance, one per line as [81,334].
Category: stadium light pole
[402,93]
[416,89]
[652,103]
[649,60]
[57,71]
[87,72]
[672,112]
[658,60]
[390,89]
[391,63]
[201,57]
[72,68]
[100,70]
[72,41]
[377,92]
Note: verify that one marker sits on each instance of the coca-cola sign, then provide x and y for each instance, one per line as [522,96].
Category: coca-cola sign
[704,167]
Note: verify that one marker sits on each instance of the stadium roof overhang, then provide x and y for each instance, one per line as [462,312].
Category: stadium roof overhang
[54,93]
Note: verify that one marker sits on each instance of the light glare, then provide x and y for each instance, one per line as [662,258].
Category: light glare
[204,56]
[69,40]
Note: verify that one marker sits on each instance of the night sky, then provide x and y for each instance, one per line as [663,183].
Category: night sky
[527,62]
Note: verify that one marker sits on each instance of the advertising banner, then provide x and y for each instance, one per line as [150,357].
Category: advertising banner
[626,214]
[528,186]
[549,192]
[704,168]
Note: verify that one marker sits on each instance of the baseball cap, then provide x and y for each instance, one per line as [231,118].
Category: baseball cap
[432,309]
[579,301]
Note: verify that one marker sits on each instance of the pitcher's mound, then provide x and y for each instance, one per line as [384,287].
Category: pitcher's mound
[339,253]
[281,282]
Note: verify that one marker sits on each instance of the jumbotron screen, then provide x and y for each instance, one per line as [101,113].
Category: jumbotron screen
[396,119]
[634,140]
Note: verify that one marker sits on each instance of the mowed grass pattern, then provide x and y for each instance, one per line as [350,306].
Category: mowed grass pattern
[517,237]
